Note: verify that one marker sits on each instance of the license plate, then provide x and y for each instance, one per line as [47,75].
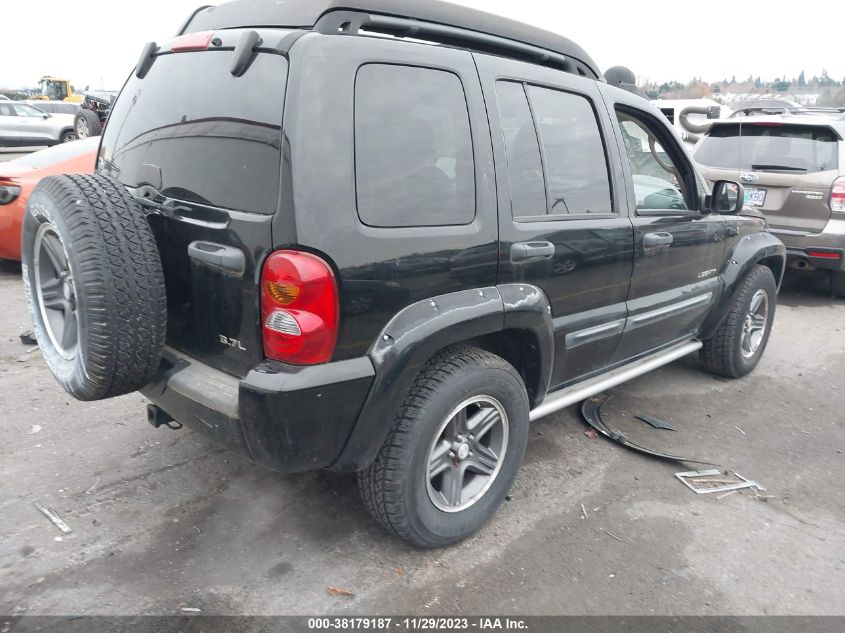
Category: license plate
[755,197]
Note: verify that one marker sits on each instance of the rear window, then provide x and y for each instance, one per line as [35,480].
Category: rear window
[770,147]
[413,148]
[196,133]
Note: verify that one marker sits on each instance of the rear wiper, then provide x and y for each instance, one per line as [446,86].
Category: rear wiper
[777,168]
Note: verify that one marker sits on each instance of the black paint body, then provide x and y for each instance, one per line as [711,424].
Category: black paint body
[406,293]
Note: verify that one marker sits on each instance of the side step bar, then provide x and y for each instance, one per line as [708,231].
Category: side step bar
[558,400]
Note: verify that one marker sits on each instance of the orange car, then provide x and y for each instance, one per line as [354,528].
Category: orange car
[18,178]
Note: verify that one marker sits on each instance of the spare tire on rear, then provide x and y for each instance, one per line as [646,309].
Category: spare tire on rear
[87,123]
[95,286]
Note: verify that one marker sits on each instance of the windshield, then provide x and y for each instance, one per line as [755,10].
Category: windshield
[770,147]
[197,133]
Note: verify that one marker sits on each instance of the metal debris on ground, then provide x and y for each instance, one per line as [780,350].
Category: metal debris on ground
[55,518]
[704,482]
[591,412]
[656,423]
[28,338]
[337,591]
[191,610]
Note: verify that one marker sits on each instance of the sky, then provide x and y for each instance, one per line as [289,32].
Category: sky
[98,47]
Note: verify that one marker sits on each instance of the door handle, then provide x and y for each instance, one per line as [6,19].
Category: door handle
[531,251]
[655,240]
[225,259]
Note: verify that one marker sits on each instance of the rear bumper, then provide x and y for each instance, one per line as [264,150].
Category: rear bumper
[288,419]
[825,250]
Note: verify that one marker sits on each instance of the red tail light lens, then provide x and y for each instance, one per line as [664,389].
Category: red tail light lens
[299,308]
[837,196]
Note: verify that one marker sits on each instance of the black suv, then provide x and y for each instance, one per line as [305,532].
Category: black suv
[381,236]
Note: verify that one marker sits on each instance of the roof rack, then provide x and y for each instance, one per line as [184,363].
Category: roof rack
[428,20]
[787,111]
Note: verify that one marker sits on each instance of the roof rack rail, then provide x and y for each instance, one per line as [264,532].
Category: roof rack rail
[358,23]
[427,20]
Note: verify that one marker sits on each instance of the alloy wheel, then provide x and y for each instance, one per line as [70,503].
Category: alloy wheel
[55,291]
[467,453]
[754,326]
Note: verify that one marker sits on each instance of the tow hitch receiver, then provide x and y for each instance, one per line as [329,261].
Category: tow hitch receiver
[158,418]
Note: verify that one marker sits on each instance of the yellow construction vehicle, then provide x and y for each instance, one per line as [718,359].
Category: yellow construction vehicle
[55,89]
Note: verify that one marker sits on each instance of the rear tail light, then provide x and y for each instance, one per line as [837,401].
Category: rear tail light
[299,308]
[837,196]
[824,254]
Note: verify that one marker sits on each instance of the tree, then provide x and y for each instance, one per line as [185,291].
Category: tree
[801,81]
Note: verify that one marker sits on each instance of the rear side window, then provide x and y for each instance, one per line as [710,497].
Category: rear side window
[196,133]
[525,166]
[770,147]
[556,157]
[413,148]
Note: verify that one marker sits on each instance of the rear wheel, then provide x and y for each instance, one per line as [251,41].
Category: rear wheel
[739,343]
[454,451]
[87,123]
[68,136]
[94,283]
[837,284]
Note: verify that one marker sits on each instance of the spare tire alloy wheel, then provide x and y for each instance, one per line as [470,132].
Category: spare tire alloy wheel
[94,284]
[55,291]
[87,123]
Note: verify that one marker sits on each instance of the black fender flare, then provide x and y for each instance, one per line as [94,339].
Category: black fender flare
[748,252]
[419,331]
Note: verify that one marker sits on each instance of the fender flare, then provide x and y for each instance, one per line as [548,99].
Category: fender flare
[749,251]
[419,331]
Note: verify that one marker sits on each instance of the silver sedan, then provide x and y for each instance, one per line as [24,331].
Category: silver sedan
[24,125]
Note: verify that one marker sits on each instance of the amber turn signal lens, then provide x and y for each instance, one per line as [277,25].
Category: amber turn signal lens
[281,293]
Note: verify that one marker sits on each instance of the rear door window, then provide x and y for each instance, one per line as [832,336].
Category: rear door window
[577,175]
[197,133]
[413,148]
[764,146]
[525,166]
[557,163]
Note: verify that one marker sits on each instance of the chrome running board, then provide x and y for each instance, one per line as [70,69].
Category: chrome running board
[558,400]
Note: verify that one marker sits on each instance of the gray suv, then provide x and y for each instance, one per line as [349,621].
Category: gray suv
[24,125]
[793,169]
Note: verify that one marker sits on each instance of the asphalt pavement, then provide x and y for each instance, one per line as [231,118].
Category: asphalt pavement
[165,520]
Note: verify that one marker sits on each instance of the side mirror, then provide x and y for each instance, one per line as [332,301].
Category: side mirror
[45,116]
[728,197]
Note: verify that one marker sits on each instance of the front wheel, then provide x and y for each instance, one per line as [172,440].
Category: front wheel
[454,452]
[740,341]
[68,136]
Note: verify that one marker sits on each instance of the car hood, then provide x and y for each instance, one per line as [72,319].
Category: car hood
[12,171]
